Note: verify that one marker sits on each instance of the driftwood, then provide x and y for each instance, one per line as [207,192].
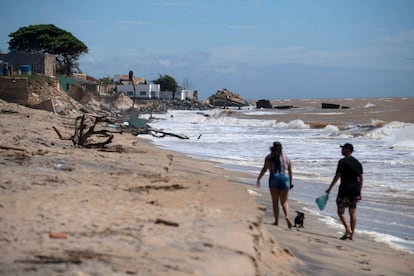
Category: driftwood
[139,126]
[157,133]
[160,133]
[85,133]
[166,222]
[11,148]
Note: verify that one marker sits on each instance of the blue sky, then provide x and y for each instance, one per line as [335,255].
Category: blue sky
[260,49]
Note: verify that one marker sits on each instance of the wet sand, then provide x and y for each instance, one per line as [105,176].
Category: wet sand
[321,252]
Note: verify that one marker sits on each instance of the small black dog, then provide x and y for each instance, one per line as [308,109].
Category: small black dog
[299,219]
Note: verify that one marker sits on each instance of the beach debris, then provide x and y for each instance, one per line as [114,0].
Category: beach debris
[85,134]
[147,188]
[139,126]
[62,167]
[263,104]
[224,98]
[58,235]
[333,106]
[160,134]
[284,106]
[166,222]
[137,123]
[12,148]
[10,110]
[266,104]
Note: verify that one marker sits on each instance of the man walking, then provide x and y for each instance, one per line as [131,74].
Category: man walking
[350,171]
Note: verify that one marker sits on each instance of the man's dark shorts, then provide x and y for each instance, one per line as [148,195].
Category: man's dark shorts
[347,202]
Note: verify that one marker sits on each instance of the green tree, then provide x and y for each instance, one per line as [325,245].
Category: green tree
[47,38]
[167,83]
[106,80]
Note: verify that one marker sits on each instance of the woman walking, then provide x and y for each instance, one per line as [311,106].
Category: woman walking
[278,164]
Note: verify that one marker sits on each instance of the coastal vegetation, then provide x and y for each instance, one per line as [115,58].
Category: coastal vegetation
[167,83]
[47,38]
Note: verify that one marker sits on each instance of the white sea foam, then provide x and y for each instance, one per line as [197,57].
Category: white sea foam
[327,113]
[295,124]
[369,105]
[298,124]
[403,244]
[261,112]
[390,240]
[331,128]
[402,137]
[253,192]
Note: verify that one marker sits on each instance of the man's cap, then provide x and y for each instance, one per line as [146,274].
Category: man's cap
[348,146]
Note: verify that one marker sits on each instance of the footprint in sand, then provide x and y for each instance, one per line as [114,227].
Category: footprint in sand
[321,241]
[340,247]
[364,262]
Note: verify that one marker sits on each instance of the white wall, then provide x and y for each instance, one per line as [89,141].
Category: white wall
[154,90]
[187,94]
[143,91]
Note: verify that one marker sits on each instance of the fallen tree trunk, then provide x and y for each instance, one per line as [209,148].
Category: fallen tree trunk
[139,126]
[160,133]
[156,133]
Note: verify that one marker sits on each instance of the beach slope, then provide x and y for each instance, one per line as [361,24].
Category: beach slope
[129,209]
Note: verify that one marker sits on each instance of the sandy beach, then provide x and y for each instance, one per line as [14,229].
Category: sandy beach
[133,209]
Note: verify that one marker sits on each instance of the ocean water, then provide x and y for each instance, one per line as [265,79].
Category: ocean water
[239,140]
